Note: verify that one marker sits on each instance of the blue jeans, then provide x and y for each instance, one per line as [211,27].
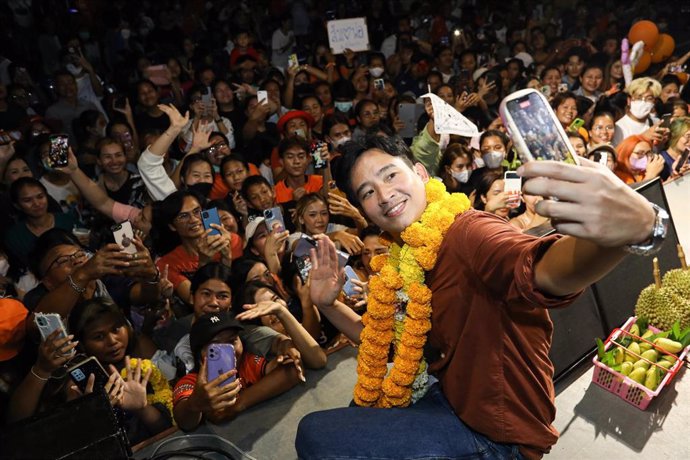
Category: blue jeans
[428,429]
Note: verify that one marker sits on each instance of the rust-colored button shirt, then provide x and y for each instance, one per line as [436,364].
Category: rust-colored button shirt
[492,332]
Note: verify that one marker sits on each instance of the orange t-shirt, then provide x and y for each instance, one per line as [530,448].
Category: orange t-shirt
[284,193]
[182,265]
[251,369]
[220,189]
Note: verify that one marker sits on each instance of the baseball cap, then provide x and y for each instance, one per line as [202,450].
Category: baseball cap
[251,227]
[207,326]
[292,114]
[12,328]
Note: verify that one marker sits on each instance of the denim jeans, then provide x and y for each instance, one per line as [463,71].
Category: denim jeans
[428,429]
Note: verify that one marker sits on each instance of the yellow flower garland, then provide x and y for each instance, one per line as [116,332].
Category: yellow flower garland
[400,274]
[161,389]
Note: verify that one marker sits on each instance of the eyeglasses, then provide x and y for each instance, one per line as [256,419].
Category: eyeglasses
[186,216]
[646,99]
[64,260]
[608,129]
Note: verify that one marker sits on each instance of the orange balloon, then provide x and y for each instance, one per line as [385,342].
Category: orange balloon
[644,63]
[645,31]
[663,49]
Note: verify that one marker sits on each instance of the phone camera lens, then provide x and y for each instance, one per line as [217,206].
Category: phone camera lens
[205,215]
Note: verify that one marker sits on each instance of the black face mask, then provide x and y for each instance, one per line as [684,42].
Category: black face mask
[202,188]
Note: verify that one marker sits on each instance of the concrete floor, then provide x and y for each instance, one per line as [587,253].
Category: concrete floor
[594,424]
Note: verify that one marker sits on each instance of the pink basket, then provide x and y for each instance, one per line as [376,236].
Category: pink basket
[632,392]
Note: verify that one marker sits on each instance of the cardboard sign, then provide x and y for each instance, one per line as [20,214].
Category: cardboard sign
[349,33]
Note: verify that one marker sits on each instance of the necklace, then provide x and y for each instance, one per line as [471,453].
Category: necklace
[399,307]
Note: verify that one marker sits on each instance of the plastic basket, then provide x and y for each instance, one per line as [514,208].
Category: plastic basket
[630,391]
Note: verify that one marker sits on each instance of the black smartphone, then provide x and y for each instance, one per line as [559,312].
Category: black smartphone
[120,102]
[79,373]
[57,153]
[666,120]
[683,159]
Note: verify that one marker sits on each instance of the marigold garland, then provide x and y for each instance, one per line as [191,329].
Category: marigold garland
[161,389]
[400,277]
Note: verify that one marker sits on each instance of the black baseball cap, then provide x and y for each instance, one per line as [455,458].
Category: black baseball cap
[206,327]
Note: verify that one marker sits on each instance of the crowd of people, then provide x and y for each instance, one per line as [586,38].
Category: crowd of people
[174,109]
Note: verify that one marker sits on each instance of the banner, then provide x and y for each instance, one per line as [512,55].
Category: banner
[349,33]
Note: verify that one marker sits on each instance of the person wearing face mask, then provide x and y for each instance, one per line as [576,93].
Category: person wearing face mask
[343,94]
[456,168]
[336,130]
[636,161]
[642,94]
[496,155]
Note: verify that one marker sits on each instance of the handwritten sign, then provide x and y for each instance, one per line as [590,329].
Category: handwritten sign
[349,33]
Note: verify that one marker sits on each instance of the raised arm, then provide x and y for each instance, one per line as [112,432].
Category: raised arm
[597,210]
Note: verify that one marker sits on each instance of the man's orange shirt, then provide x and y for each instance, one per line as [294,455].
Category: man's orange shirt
[284,193]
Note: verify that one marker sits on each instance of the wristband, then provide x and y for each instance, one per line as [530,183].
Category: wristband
[75,286]
[42,379]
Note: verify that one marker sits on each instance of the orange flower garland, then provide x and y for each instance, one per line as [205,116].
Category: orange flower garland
[400,275]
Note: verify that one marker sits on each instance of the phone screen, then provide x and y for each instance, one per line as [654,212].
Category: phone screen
[57,154]
[535,129]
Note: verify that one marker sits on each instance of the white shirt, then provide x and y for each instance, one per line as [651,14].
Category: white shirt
[626,127]
[281,41]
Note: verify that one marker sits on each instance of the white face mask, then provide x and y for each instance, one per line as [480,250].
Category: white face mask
[126,33]
[462,176]
[341,141]
[641,109]
[376,72]
[73,69]
[4,266]
[493,159]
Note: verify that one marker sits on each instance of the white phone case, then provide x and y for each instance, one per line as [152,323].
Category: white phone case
[124,229]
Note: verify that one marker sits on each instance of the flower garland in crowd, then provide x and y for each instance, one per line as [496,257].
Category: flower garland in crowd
[161,389]
[399,280]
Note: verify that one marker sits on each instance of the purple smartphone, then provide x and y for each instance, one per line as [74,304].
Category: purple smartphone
[220,358]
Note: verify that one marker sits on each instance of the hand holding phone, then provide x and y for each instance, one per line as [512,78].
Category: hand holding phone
[220,359]
[349,286]
[57,153]
[80,372]
[274,220]
[210,216]
[261,96]
[124,236]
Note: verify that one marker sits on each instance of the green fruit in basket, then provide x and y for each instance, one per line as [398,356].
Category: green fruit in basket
[665,364]
[618,355]
[669,345]
[646,335]
[644,346]
[634,354]
[635,330]
[651,380]
[626,368]
[641,363]
[671,359]
[638,375]
[651,355]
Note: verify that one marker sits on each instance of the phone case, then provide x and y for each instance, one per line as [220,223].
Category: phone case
[49,322]
[220,358]
[57,154]
[408,114]
[261,96]
[534,128]
[122,230]
[349,287]
[79,373]
[274,216]
[315,152]
[512,182]
[208,217]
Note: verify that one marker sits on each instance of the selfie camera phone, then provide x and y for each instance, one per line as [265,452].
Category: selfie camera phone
[262,96]
[79,373]
[683,159]
[379,84]
[220,358]
[5,138]
[408,114]
[120,102]
[206,99]
[546,90]
[666,121]
[124,235]
[57,153]
[576,124]
[349,286]
[562,87]
[208,217]
[293,61]
[315,152]
[534,128]
[274,220]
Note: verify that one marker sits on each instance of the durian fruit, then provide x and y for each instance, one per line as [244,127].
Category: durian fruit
[661,306]
[678,279]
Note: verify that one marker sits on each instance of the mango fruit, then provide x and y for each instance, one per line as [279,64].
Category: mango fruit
[641,363]
[647,334]
[665,364]
[651,380]
[667,344]
[651,355]
[638,375]
[669,358]
[635,330]
[626,368]
[618,355]
[644,346]
[634,354]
